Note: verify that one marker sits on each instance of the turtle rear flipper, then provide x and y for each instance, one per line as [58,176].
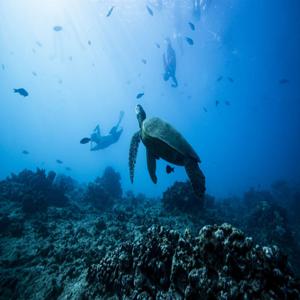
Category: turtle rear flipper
[133,150]
[196,177]
[151,164]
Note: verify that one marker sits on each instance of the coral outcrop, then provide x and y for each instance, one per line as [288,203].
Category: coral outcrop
[35,191]
[104,190]
[219,263]
[180,197]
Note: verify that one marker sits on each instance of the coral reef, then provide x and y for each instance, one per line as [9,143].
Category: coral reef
[36,191]
[220,263]
[55,242]
[104,190]
[181,198]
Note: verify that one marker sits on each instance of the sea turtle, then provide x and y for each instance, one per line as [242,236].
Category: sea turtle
[163,141]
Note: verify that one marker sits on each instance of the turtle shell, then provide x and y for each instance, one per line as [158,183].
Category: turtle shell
[157,128]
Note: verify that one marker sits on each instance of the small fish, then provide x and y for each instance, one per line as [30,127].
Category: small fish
[192,26]
[89,43]
[110,11]
[230,79]
[57,28]
[85,140]
[25,152]
[39,43]
[3,67]
[140,95]
[169,169]
[190,41]
[70,58]
[227,103]
[34,73]
[283,81]
[217,102]
[144,61]
[150,11]
[157,45]
[59,161]
[220,78]
[68,169]
[205,109]
[60,81]
[21,92]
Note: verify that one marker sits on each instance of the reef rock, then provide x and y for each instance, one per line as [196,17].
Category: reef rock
[219,263]
[180,197]
[35,191]
[104,190]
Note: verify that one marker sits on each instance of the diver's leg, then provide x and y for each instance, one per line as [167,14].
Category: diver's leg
[175,83]
[121,115]
[97,130]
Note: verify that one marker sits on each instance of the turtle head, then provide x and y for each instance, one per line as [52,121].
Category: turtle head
[140,114]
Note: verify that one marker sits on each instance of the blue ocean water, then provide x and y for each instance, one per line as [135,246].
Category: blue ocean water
[73,76]
[237,100]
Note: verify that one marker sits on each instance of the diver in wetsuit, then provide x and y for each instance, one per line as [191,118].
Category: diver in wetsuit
[196,9]
[169,60]
[98,141]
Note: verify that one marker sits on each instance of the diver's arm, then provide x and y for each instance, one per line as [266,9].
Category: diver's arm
[94,147]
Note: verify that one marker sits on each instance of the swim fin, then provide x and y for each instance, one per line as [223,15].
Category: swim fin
[85,140]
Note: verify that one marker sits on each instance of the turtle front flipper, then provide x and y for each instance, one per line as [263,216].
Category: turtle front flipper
[151,164]
[196,177]
[133,150]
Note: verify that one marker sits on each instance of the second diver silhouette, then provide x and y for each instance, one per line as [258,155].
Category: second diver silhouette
[99,141]
[169,59]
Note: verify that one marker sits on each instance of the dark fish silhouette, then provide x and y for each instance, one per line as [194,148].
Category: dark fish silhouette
[157,45]
[190,41]
[70,58]
[68,169]
[25,152]
[205,109]
[192,26]
[39,44]
[85,140]
[57,28]
[90,43]
[110,11]
[144,61]
[217,103]
[59,161]
[230,79]
[140,95]
[169,169]
[21,92]
[283,81]
[227,103]
[220,78]
[34,73]
[3,67]
[150,11]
